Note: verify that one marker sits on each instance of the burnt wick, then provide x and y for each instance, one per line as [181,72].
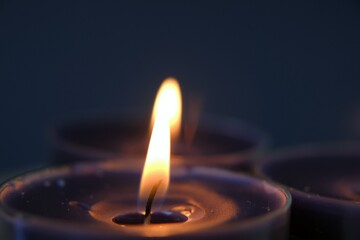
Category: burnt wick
[150,202]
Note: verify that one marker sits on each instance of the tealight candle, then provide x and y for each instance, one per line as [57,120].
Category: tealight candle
[325,184]
[83,200]
[218,142]
[213,141]
[98,201]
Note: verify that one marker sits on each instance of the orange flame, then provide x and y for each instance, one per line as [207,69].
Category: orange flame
[168,103]
[166,122]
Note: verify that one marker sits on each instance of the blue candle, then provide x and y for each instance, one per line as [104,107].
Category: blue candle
[81,201]
[325,184]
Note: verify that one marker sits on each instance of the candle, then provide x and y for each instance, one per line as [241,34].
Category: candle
[101,200]
[210,141]
[325,184]
[81,202]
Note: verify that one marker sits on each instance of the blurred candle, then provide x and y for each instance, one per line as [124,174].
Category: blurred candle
[211,141]
[324,181]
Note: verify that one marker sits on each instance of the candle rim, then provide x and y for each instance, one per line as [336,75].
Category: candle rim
[333,148]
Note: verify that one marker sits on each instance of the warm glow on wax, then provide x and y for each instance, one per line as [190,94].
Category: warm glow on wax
[168,104]
[166,121]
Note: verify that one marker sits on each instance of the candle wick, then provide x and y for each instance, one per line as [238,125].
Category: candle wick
[150,201]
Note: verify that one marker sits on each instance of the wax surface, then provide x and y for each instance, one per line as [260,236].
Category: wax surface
[87,197]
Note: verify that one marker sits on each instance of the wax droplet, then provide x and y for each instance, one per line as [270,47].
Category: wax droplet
[156,218]
[185,210]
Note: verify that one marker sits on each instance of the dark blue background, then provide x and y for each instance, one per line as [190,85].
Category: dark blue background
[291,67]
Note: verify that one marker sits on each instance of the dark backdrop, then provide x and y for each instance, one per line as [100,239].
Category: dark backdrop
[291,67]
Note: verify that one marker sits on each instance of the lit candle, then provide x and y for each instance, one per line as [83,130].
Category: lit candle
[85,201]
[98,201]
[210,141]
[325,184]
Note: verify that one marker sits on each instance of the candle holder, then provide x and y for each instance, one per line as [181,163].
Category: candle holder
[324,181]
[82,201]
[220,142]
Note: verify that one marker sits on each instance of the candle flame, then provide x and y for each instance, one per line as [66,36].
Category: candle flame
[168,103]
[166,123]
